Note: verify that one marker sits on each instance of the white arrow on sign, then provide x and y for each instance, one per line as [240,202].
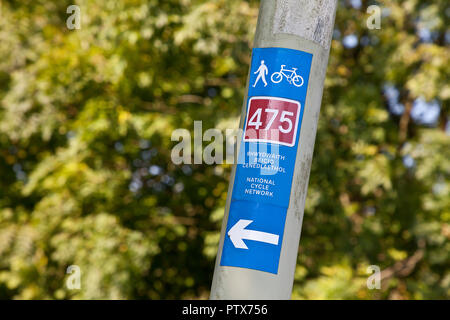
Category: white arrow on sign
[238,232]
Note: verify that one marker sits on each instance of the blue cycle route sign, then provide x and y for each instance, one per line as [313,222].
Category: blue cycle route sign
[262,186]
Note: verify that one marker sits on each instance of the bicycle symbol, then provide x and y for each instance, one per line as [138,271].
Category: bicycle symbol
[292,78]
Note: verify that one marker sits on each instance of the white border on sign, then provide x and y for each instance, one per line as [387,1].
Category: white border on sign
[271,141]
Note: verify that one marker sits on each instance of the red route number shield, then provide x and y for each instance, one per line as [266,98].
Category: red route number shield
[272,120]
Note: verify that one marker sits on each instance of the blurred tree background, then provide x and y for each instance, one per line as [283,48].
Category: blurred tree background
[86,118]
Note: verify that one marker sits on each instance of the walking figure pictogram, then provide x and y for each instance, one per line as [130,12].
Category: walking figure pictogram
[263,71]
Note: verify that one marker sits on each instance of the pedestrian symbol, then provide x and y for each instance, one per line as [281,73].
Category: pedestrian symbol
[262,72]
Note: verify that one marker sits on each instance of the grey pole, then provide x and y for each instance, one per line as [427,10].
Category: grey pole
[305,25]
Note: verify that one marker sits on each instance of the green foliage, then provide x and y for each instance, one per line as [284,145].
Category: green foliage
[86,118]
